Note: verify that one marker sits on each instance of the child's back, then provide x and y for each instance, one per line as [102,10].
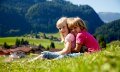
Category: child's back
[88,40]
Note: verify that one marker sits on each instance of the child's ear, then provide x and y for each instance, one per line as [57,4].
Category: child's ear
[82,28]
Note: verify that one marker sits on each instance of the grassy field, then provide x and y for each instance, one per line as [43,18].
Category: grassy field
[107,60]
[44,42]
[53,34]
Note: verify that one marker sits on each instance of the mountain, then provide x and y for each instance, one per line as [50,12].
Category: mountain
[109,16]
[109,31]
[18,17]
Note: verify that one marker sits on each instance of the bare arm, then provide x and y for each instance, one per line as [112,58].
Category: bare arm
[77,48]
[66,50]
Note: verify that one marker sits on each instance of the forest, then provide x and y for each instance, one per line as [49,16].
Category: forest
[19,17]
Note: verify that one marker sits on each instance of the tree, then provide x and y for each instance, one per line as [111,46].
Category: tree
[5,45]
[39,1]
[110,31]
[17,42]
[22,41]
[37,36]
[25,42]
[102,42]
[44,36]
[40,46]
[41,16]
[52,45]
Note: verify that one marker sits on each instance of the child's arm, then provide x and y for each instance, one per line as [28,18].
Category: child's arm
[77,48]
[65,50]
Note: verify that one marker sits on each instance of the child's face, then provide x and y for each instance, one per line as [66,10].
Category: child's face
[75,30]
[63,29]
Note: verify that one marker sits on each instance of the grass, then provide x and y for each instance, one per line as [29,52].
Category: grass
[107,60]
[54,34]
[9,40]
[44,42]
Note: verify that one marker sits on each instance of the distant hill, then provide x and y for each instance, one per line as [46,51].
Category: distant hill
[109,16]
[18,17]
[109,31]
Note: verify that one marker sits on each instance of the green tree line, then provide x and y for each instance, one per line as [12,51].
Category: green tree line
[109,31]
[18,17]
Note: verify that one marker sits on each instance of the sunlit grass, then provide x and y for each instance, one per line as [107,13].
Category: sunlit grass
[44,42]
[107,60]
[54,34]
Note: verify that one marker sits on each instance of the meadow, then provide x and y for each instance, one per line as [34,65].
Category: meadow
[107,60]
[32,41]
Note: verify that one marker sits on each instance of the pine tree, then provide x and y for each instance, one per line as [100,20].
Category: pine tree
[52,45]
[17,42]
[5,45]
[102,42]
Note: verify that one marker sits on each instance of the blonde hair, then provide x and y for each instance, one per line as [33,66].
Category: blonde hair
[76,22]
[61,21]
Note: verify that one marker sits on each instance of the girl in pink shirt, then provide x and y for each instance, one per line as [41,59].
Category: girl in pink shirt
[83,38]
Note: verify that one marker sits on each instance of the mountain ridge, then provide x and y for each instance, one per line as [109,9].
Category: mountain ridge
[21,17]
[109,16]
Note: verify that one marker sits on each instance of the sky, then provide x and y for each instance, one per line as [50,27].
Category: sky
[100,5]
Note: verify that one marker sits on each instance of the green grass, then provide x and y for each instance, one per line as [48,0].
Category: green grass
[44,42]
[107,60]
[54,34]
[9,40]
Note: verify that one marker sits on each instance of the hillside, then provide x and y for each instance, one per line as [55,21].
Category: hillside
[105,61]
[18,17]
[109,16]
[109,31]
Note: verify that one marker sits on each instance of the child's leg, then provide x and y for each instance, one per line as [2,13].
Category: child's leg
[38,57]
[74,54]
[46,55]
[59,57]
[50,55]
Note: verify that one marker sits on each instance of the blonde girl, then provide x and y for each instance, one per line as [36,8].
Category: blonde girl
[66,37]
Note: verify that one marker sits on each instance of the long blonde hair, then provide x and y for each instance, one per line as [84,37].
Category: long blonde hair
[62,21]
[76,21]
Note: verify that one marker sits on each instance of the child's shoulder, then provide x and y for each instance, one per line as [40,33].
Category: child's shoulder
[70,36]
[80,34]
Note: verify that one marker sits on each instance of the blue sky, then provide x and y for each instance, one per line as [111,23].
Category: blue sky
[100,5]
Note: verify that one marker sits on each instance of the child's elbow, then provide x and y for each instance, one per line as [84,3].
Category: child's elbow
[76,50]
[67,51]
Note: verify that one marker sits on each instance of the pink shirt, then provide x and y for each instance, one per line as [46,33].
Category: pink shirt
[88,40]
[70,38]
